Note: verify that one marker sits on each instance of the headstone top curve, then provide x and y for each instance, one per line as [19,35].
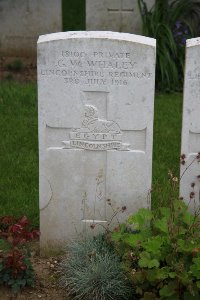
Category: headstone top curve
[97,34]
[193,42]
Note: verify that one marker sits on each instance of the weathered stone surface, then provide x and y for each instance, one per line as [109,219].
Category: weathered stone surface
[191,125]
[114,15]
[96,98]
[22,21]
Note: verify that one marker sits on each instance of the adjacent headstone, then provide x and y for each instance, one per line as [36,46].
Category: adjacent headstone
[22,21]
[191,126]
[115,15]
[96,103]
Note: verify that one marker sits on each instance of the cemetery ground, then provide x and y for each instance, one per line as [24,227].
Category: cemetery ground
[19,164]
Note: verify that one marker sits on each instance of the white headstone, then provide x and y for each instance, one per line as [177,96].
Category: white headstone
[22,21]
[96,102]
[115,15]
[191,125]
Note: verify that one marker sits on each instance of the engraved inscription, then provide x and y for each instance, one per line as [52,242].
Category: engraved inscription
[194,142]
[194,75]
[95,136]
[95,145]
[96,68]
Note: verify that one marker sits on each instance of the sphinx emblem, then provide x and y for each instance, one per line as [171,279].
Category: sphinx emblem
[92,123]
[95,133]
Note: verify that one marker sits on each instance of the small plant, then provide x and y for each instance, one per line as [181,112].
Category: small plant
[16,270]
[160,249]
[15,266]
[16,66]
[92,271]
[165,252]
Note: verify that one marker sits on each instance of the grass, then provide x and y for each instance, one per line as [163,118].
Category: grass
[73,14]
[19,148]
[167,141]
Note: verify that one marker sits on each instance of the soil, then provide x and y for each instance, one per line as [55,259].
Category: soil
[46,284]
[18,69]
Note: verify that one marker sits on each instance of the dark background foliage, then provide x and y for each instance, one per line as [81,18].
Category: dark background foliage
[170,23]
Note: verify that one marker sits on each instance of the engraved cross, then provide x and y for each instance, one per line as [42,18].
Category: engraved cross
[27,6]
[120,9]
[99,132]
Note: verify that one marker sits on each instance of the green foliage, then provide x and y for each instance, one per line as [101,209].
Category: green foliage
[161,252]
[19,150]
[16,65]
[170,23]
[166,149]
[92,271]
[73,14]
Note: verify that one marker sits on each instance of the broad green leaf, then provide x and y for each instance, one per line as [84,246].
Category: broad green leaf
[162,225]
[141,219]
[147,262]
[172,275]
[153,244]
[181,230]
[133,240]
[168,290]
[186,246]
[163,273]
[158,274]
[188,218]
